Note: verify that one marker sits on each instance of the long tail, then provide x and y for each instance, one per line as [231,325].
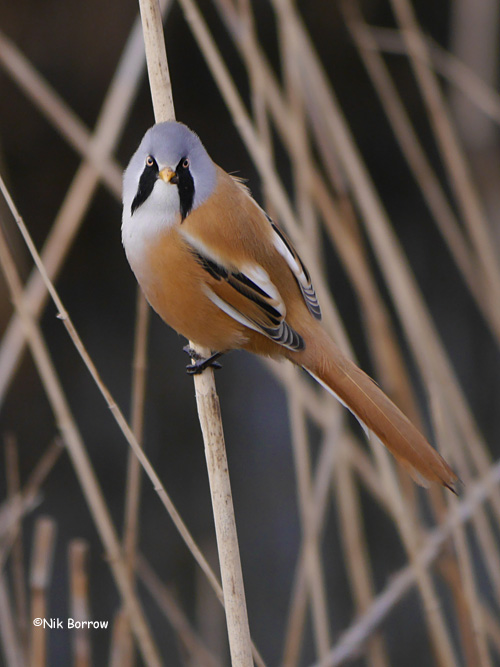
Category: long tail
[374,410]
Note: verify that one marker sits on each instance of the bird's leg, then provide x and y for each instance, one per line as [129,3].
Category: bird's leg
[201,363]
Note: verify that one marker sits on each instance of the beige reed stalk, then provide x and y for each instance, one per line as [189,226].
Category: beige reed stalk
[206,395]
[22,503]
[40,577]
[12,475]
[170,608]
[78,556]
[9,640]
[74,442]
[96,148]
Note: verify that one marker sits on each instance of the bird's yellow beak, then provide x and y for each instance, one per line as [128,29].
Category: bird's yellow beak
[168,175]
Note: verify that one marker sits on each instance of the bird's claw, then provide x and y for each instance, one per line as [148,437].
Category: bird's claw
[201,363]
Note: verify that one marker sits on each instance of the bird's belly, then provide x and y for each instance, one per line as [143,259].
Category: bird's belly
[173,283]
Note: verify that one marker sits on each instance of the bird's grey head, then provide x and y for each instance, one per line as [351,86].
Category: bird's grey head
[169,175]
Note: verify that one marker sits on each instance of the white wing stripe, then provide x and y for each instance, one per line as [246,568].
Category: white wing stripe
[229,310]
[261,278]
[280,246]
[198,245]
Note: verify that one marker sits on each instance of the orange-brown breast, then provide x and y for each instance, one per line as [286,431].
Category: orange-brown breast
[174,288]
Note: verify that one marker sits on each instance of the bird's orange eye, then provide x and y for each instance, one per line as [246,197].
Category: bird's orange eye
[149,161]
[185,164]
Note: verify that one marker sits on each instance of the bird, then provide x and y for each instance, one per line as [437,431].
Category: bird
[223,274]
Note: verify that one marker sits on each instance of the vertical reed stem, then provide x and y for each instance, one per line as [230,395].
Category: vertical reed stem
[206,395]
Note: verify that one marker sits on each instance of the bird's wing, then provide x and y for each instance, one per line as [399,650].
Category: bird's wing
[285,248]
[248,295]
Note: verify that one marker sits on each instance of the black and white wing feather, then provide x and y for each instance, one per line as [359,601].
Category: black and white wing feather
[250,298]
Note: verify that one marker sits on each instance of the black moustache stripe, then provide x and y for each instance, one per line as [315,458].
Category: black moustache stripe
[185,184]
[146,185]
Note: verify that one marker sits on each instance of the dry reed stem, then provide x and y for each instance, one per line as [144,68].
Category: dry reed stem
[418,162]
[78,553]
[156,60]
[447,567]
[460,572]
[481,94]
[468,586]
[492,624]
[57,112]
[40,577]
[294,635]
[133,484]
[410,535]
[9,639]
[319,496]
[356,556]
[17,560]
[348,644]
[366,472]
[97,149]
[119,654]
[208,617]
[446,430]
[172,611]
[316,402]
[206,396]
[227,541]
[359,460]
[257,84]
[442,212]
[26,499]
[298,147]
[133,480]
[451,151]
[72,437]
[11,515]
[306,505]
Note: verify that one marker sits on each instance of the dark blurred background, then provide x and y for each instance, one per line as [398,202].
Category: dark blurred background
[76,46]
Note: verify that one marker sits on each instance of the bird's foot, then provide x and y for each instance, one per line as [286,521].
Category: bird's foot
[201,363]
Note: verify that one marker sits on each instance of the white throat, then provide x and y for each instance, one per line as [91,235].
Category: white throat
[157,214]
